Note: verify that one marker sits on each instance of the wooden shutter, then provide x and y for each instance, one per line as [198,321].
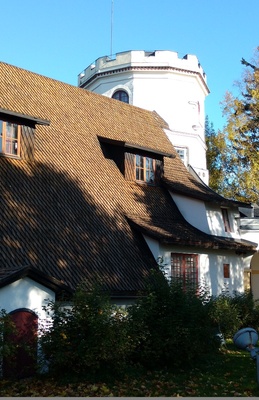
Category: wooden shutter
[27,143]
[129,167]
[159,171]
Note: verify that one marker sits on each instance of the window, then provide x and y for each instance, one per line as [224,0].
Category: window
[185,266]
[142,168]
[183,154]
[145,169]
[121,95]
[226,271]
[226,220]
[10,136]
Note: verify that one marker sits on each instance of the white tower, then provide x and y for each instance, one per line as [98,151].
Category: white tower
[159,81]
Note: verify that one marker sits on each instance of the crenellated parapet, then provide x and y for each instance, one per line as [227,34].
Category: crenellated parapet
[139,60]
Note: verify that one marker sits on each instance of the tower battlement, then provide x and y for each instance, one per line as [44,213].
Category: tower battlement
[160,59]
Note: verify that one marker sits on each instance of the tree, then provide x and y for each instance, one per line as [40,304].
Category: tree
[216,149]
[241,167]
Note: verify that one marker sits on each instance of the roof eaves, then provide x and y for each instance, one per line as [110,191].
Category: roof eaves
[134,146]
[208,242]
[50,282]
[210,196]
[38,121]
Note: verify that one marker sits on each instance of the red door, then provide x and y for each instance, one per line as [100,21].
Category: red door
[23,359]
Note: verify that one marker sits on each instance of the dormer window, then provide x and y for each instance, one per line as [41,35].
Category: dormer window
[145,169]
[10,138]
[136,163]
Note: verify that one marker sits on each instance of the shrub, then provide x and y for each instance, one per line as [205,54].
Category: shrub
[86,337]
[224,315]
[172,323]
[231,312]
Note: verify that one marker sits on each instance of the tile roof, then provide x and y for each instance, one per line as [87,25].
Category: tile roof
[69,213]
[186,184]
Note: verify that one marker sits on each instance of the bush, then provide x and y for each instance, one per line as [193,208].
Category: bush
[172,324]
[86,337]
[224,315]
[231,312]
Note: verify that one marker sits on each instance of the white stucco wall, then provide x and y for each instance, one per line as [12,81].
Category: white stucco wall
[206,217]
[25,293]
[210,270]
[194,211]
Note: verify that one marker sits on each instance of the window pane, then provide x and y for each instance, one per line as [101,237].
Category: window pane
[11,130]
[140,174]
[176,270]
[11,143]
[149,170]
[149,176]
[140,161]
[149,163]
[11,146]
[121,95]
[190,269]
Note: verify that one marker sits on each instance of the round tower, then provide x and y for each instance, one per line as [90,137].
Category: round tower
[159,81]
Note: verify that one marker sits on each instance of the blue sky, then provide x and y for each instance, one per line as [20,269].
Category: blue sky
[59,38]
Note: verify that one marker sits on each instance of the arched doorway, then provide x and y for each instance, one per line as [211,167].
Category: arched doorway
[22,363]
[255,275]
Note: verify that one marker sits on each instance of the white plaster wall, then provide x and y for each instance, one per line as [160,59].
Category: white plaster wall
[252,236]
[196,149]
[210,273]
[205,217]
[194,211]
[172,95]
[216,223]
[25,293]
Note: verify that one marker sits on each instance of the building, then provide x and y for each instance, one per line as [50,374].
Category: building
[174,87]
[92,190]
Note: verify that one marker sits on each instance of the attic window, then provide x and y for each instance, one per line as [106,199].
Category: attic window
[10,138]
[145,169]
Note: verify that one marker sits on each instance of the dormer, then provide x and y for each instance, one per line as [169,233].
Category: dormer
[136,163]
[17,134]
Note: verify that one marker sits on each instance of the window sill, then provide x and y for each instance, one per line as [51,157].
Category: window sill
[10,156]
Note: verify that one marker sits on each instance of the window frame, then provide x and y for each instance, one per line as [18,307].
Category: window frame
[183,154]
[5,139]
[144,170]
[226,271]
[183,267]
[226,220]
[120,93]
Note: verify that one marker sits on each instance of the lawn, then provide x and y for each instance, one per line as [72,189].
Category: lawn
[231,373]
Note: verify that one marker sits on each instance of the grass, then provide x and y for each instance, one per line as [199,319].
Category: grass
[232,373]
